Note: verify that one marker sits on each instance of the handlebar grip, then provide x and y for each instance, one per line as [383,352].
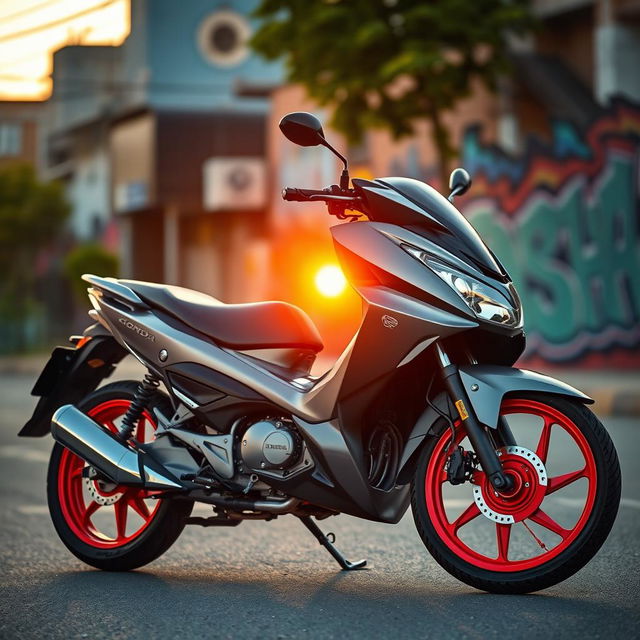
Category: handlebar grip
[292,195]
[300,195]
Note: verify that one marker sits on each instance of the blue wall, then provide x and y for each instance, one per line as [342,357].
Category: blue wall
[180,75]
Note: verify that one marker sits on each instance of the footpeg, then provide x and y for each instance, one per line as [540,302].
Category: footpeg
[327,542]
[214,521]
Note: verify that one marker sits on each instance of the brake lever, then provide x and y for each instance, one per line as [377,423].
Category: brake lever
[332,197]
[338,204]
[338,209]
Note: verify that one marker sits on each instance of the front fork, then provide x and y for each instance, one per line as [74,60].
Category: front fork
[478,436]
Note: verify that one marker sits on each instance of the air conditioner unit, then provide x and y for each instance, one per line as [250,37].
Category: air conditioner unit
[234,184]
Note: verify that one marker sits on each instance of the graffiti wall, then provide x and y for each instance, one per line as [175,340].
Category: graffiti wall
[565,220]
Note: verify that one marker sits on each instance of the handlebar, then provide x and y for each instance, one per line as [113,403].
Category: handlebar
[338,200]
[302,195]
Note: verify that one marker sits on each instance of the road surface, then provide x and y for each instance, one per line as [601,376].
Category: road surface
[272,580]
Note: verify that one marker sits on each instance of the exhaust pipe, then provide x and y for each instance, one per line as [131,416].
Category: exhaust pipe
[277,507]
[102,450]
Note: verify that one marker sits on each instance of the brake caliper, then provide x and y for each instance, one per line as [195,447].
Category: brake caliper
[460,466]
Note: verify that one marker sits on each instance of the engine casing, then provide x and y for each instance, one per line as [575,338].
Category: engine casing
[270,444]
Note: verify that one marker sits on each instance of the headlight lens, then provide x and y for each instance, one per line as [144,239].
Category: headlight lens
[487,303]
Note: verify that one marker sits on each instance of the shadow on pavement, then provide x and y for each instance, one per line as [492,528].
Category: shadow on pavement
[262,601]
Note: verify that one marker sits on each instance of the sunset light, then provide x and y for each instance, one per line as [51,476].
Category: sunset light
[31,30]
[330,281]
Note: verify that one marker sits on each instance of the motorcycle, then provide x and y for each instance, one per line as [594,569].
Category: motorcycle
[513,482]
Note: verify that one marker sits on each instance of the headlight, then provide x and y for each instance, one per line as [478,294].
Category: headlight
[487,303]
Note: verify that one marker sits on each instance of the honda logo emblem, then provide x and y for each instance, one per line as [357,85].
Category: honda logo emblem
[389,321]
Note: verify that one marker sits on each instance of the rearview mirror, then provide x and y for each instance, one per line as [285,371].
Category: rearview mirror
[459,182]
[303,129]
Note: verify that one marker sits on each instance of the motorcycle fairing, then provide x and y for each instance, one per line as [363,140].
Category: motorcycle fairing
[393,325]
[145,333]
[416,206]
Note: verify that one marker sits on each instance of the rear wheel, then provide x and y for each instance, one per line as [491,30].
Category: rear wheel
[108,526]
[565,496]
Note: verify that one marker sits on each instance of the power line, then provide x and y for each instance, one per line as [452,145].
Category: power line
[118,84]
[55,23]
[35,7]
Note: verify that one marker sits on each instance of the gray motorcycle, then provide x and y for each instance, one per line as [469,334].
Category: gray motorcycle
[514,484]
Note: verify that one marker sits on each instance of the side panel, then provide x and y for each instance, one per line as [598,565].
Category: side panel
[350,490]
[486,385]
[393,325]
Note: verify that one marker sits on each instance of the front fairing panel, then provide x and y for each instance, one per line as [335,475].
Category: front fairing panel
[370,255]
[420,209]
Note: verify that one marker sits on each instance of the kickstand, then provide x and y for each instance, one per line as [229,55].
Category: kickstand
[326,541]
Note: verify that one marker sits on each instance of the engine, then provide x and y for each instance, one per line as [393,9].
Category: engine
[271,444]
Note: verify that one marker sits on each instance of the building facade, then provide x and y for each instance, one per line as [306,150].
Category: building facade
[161,141]
[20,133]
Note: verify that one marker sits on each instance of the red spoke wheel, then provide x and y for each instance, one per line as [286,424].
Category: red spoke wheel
[564,498]
[110,526]
[101,513]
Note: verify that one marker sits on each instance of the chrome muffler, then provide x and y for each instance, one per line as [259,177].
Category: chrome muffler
[103,451]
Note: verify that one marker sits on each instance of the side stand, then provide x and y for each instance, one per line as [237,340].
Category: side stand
[326,541]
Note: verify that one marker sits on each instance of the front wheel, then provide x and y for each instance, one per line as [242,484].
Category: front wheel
[564,500]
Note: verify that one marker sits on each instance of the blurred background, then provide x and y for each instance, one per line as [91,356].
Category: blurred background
[139,138]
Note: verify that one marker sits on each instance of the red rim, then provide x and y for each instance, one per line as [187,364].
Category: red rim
[525,504]
[81,499]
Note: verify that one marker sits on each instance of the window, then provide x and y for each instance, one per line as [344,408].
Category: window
[222,38]
[10,139]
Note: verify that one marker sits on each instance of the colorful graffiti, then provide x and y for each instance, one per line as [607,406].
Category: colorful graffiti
[565,220]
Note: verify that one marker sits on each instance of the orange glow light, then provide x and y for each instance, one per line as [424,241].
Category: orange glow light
[330,281]
[31,30]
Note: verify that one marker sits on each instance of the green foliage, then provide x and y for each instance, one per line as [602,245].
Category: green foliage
[88,258]
[387,63]
[32,213]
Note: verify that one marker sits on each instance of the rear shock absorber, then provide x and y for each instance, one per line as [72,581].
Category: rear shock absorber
[139,403]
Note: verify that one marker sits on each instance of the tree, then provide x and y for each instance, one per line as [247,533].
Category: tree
[88,258]
[31,216]
[387,63]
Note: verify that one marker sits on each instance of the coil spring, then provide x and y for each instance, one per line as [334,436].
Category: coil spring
[139,403]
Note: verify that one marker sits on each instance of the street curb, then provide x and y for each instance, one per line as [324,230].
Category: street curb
[612,402]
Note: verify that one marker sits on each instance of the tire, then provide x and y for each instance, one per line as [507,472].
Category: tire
[134,529]
[466,553]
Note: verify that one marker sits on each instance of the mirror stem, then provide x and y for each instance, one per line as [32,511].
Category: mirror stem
[344,177]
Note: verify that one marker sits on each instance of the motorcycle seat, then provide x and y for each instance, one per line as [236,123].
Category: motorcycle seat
[258,325]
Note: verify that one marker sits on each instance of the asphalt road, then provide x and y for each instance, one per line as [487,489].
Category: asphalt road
[272,580]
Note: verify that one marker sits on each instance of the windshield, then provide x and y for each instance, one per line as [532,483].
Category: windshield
[441,222]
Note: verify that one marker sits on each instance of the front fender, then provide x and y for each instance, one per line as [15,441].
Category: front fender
[486,385]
